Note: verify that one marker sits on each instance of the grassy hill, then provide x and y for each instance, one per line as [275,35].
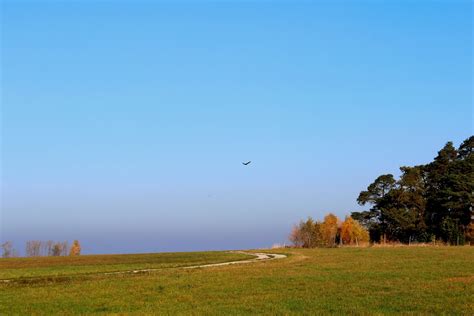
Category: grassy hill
[337,281]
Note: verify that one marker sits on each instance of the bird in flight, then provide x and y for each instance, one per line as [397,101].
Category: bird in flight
[246,163]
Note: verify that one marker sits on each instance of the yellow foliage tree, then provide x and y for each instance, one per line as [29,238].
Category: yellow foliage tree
[75,248]
[329,229]
[347,230]
[352,232]
[306,234]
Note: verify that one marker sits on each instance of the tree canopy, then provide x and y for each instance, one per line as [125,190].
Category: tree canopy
[432,201]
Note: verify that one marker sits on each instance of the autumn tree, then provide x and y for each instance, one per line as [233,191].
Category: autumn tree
[75,248]
[329,229]
[311,233]
[347,230]
[56,249]
[296,236]
[307,234]
[59,249]
[360,234]
[352,232]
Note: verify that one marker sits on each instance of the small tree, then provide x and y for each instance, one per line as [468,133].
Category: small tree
[347,230]
[296,236]
[56,250]
[49,247]
[360,233]
[64,248]
[75,248]
[33,248]
[329,229]
[306,234]
[7,249]
[352,232]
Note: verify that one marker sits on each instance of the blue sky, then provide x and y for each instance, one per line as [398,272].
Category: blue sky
[124,124]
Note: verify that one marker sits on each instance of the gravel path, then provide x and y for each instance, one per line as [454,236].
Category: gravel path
[258,257]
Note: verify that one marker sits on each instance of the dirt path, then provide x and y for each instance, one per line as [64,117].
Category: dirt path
[258,257]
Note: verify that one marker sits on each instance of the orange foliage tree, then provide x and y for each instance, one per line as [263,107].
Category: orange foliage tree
[75,248]
[352,232]
[329,229]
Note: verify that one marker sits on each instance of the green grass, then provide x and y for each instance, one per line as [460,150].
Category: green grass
[408,280]
[14,268]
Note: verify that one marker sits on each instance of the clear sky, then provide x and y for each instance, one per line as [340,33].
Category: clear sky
[124,124]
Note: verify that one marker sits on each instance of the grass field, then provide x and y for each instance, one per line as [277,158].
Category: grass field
[14,268]
[416,280]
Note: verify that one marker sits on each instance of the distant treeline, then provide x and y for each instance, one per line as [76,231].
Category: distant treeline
[37,248]
[427,203]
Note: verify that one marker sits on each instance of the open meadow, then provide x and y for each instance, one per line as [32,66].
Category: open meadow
[23,269]
[420,280]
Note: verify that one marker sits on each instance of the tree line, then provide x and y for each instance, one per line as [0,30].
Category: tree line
[38,248]
[426,203]
[328,233]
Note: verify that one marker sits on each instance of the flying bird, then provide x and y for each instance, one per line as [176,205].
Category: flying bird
[246,163]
